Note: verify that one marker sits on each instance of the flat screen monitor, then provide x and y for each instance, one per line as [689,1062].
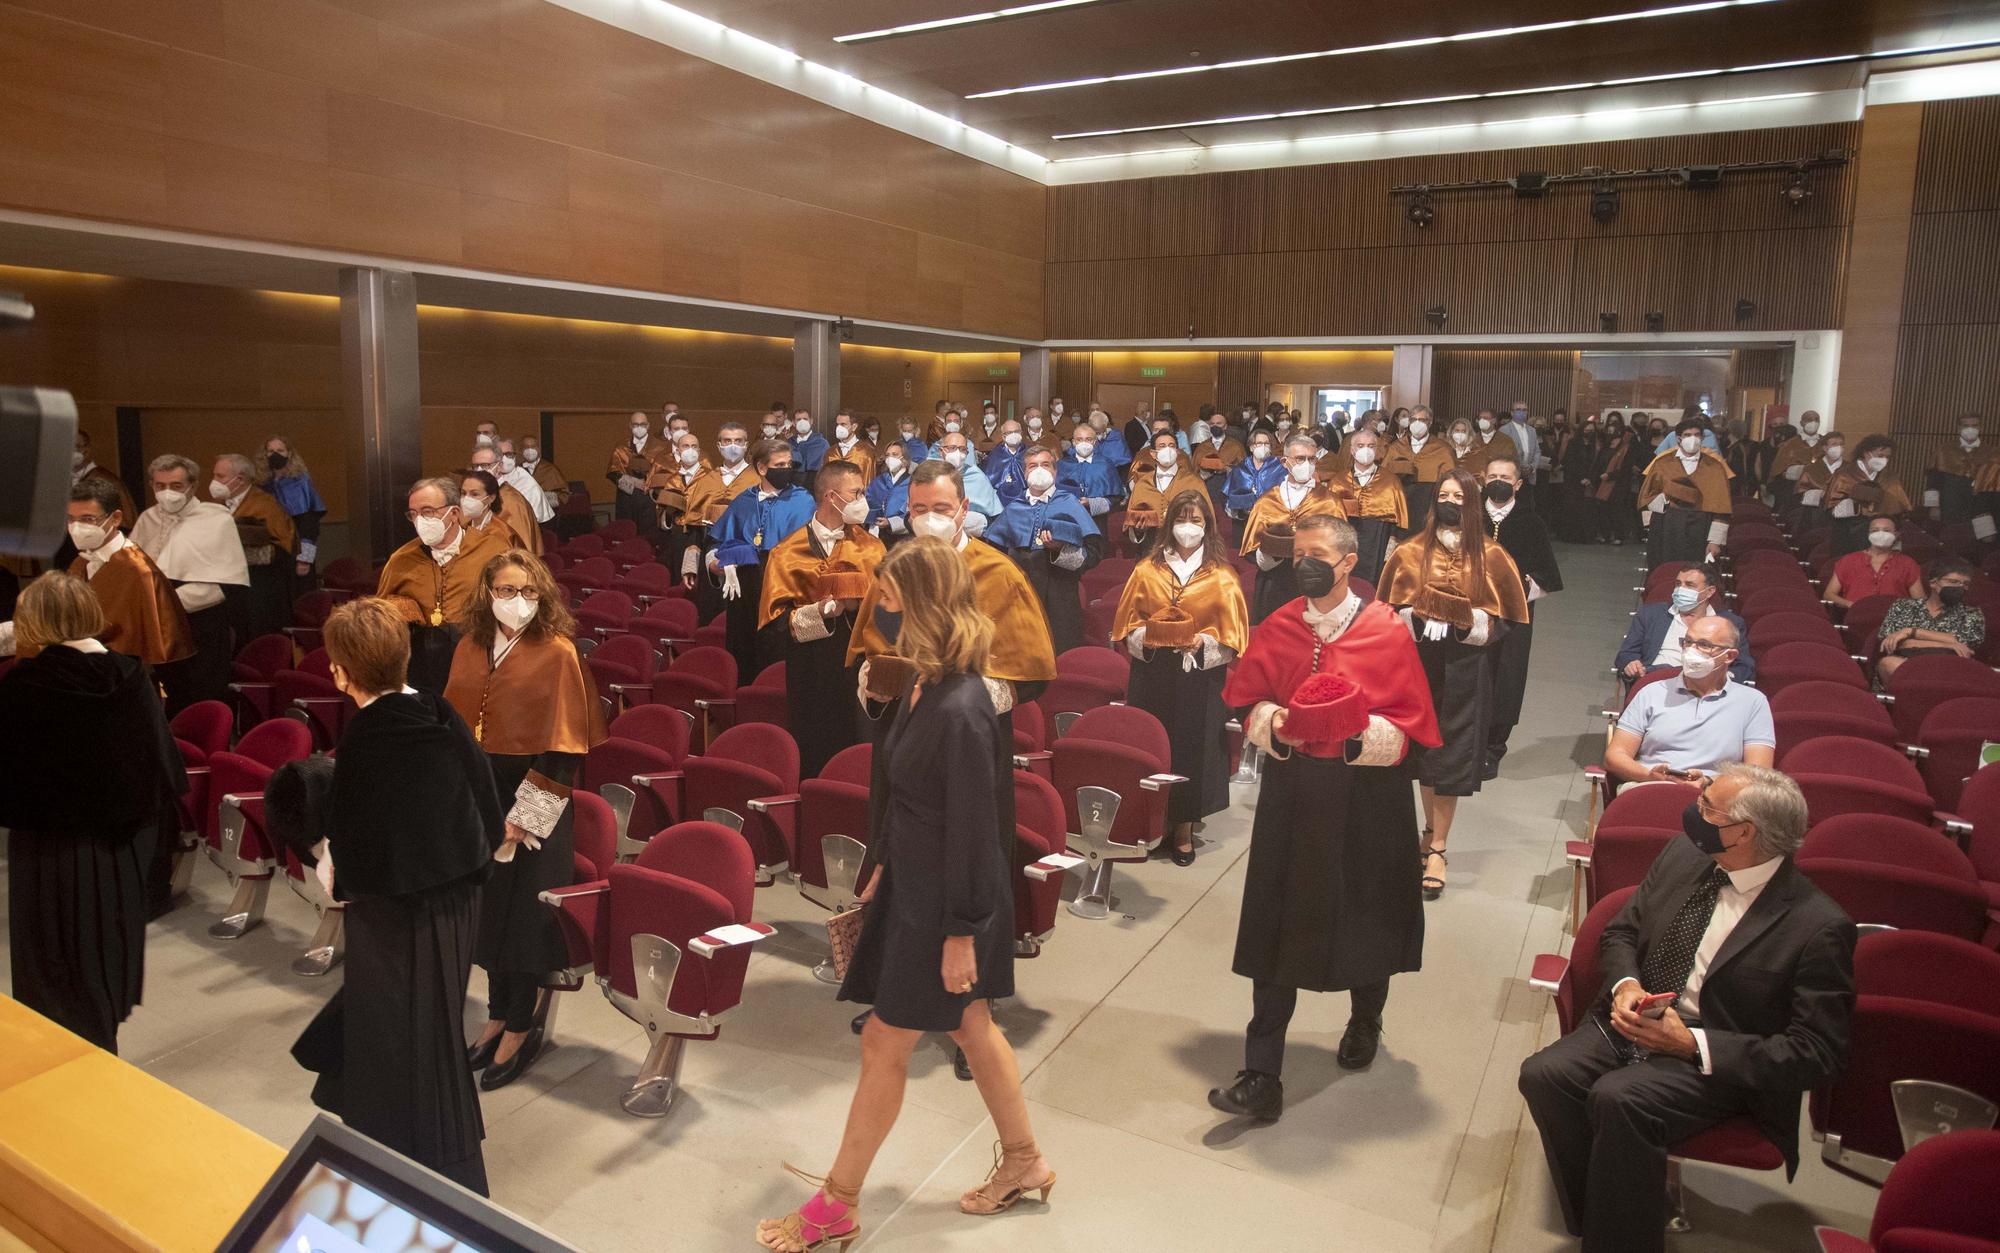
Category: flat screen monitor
[340,1192]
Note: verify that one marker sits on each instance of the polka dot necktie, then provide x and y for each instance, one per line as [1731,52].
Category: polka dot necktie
[1669,962]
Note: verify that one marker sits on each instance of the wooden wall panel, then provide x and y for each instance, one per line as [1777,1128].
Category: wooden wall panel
[1071,374]
[1239,379]
[511,135]
[1325,250]
[1958,165]
[1464,381]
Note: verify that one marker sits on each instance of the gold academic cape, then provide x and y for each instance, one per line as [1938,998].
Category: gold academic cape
[539,701]
[1439,589]
[259,505]
[1422,467]
[1894,502]
[1146,491]
[1270,510]
[1209,459]
[142,616]
[1381,498]
[1477,454]
[518,516]
[1213,598]
[793,567]
[1711,482]
[861,455]
[640,464]
[1794,452]
[435,595]
[709,496]
[1022,649]
[550,479]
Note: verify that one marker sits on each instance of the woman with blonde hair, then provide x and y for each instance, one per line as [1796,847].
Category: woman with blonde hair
[519,684]
[86,768]
[283,473]
[936,940]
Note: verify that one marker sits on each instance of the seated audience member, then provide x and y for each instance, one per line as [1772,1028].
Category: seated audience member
[1746,1035]
[1939,623]
[1653,641]
[1675,729]
[1880,569]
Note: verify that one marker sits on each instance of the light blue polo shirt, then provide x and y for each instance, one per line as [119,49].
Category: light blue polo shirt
[1688,732]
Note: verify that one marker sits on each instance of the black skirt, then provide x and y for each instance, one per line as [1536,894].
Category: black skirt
[1332,895]
[76,924]
[389,1048]
[1189,705]
[517,933]
[1510,682]
[1461,679]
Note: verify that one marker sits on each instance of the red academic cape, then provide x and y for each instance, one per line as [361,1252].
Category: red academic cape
[1375,653]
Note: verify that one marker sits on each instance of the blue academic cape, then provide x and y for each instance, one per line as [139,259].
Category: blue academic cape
[888,497]
[809,452]
[297,494]
[1096,479]
[979,494]
[1062,515]
[1004,470]
[753,526]
[1248,480]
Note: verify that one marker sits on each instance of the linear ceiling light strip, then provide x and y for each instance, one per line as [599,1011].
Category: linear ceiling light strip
[1289,114]
[1428,41]
[968,19]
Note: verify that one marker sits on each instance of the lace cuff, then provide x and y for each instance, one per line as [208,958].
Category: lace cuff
[1718,532]
[1481,629]
[809,624]
[6,639]
[688,560]
[1070,557]
[1002,693]
[1379,744]
[1135,643]
[538,806]
[1257,729]
[1265,562]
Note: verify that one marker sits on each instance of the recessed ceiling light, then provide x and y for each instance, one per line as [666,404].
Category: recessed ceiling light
[1498,32]
[969,19]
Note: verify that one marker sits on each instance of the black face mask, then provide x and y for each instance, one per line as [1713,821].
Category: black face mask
[779,477]
[276,460]
[1316,578]
[889,624]
[1951,597]
[1499,492]
[1702,833]
[1448,512]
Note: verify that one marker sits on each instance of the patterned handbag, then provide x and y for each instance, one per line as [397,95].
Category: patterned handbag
[843,933]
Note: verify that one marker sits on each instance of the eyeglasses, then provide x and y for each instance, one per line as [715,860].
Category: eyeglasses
[1708,649]
[507,591]
[99,520]
[432,514]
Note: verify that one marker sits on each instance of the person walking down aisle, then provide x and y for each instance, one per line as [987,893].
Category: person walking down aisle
[517,681]
[1335,692]
[1525,536]
[1460,593]
[78,720]
[935,942]
[389,1048]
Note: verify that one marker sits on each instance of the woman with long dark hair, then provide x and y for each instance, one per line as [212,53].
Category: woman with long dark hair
[936,941]
[1459,592]
[517,681]
[1183,619]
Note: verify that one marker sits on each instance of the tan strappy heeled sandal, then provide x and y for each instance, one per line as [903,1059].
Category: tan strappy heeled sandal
[828,1218]
[1000,1192]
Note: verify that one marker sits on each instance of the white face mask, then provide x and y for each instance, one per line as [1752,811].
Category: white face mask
[1690,444]
[1364,455]
[1261,452]
[218,489]
[855,511]
[87,537]
[77,461]
[1876,464]
[893,464]
[1810,428]
[689,456]
[732,453]
[1461,438]
[431,531]
[770,431]
[515,613]
[1035,425]
[803,426]
[1012,439]
[482,440]
[1698,665]
[531,455]
[1041,479]
[1833,454]
[1056,408]
[1302,473]
[954,457]
[841,433]
[934,525]
[1968,434]
[951,427]
[472,507]
[507,463]
[639,434]
[172,501]
[1882,539]
[1419,429]
[1485,424]
[1167,456]
[1188,534]
[1085,447]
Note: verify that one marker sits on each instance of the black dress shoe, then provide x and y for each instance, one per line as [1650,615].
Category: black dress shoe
[961,1067]
[1359,1042]
[500,1074]
[480,1056]
[860,1021]
[1253,1095]
[1183,856]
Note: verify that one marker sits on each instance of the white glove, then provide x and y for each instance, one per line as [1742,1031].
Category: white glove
[861,683]
[1482,625]
[1535,591]
[731,588]
[1264,562]
[626,483]
[1811,497]
[897,526]
[1845,509]
[1435,630]
[1409,617]
[324,870]
[1070,557]
[830,609]
[1658,504]
[1135,643]
[1792,472]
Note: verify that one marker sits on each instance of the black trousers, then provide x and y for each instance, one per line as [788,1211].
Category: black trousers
[510,999]
[1606,1127]
[1271,1006]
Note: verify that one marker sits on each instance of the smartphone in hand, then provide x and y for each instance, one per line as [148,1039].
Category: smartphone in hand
[1654,1005]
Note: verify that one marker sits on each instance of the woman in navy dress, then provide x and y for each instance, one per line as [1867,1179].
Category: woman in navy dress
[936,938]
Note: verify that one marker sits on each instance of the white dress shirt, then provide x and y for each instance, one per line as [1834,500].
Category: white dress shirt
[1676,637]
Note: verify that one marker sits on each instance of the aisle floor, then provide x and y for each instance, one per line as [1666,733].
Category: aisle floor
[1121,1027]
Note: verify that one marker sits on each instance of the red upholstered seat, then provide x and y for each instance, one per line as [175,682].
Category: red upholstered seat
[1769,600]
[1106,665]
[667,622]
[700,673]
[631,651]
[596,836]
[1921,684]
[1882,894]
[1801,662]
[1791,627]
[1117,747]
[1951,737]
[604,611]
[618,530]
[1031,728]
[834,803]
[1039,831]
[584,546]
[1926,966]
[1621,856]
[1066,694]
[206,724]
[263,657]
[1843,774]
[1938,1198]
[649,582]
[1901,1038]
[1979,807]
[314,700]
[745,763]
[1648,806]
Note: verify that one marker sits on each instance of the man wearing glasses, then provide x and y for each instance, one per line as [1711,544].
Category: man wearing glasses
[1658,632]
[143,618]
[431,579]
[1682,730]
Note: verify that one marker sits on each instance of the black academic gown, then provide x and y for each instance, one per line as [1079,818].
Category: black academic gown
[87,767]
[1059,590]
[819,685]
[412,819]
[1525,536]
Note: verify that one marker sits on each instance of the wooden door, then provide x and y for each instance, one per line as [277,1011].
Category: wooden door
[1122,400]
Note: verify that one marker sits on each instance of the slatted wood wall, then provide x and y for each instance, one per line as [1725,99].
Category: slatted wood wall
[1325,250]
[1948,351]
[1466,380]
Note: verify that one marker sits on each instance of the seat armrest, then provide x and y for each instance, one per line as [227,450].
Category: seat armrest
[249,802]
[1027,761]
[624,691]
[715,702]
[1548,971]
[1051,866]
[605,633]
[1234,724]
[1577,852]
[1160,782]
[670,786]
[1885,698]
[709,943]
[765,804]
[556,896]
[1917,752]
[590,591]
[194,771]
[1952,823]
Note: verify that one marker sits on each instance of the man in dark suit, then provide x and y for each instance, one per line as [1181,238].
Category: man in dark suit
[1763,964]
[1654,639]
[1522,532]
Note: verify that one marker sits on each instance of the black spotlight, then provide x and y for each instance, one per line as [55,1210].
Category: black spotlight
[1745,310]
[1419,211]
[1603,202]
[1697,177]
[1608,323]
[1529,184]
[1437,315]
[1796,192]
[1656,320]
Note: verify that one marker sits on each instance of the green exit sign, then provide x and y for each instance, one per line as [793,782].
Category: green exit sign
[997,371]
[1152,371]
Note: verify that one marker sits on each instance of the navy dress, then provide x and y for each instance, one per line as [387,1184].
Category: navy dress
[944,865]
